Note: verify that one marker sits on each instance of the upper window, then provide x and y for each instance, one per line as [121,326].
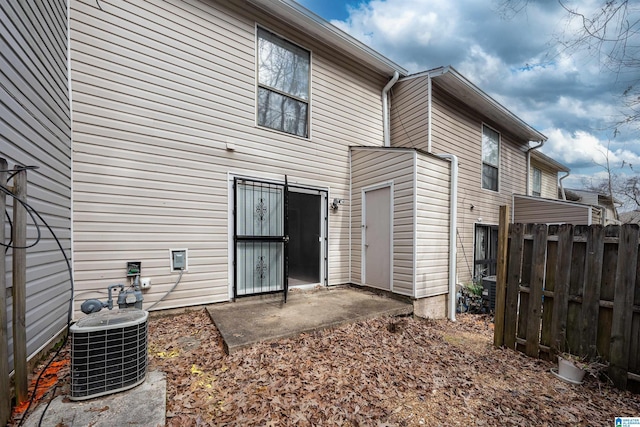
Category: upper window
[537,182]
[490,158]
[283,85]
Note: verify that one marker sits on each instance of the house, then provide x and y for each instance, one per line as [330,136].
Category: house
[237,147]
[440,111]
[605,204]
[195,127]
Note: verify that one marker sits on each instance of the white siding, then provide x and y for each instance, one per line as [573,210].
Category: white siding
[35,130]
[432,245]
[458,130]
[159,89]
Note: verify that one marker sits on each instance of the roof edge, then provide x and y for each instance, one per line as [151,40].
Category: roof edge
[440,71]
[306,20]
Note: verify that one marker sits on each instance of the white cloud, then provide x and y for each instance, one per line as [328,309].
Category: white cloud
[584,149]
[517,61]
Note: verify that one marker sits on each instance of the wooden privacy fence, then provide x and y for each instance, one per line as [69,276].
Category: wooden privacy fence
[575,289]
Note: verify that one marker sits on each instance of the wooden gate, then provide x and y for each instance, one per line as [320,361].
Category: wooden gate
[575,289]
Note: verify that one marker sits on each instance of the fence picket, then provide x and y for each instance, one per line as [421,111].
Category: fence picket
[525,281]
[549,287]
[561,288]
[534,315]
[623,305]
[607,289]
[590,279]
[516,241]
[591,291]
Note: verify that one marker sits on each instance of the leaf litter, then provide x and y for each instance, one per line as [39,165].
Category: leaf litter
[384,372]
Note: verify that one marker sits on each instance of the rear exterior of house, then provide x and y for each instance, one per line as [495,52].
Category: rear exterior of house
[217,127]
[440,112]
[35,130]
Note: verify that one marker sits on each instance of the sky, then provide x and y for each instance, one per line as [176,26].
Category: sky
[515,58]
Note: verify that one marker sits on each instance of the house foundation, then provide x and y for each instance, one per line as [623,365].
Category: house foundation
[431,307]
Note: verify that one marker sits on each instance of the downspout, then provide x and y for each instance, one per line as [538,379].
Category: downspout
[385,108]
[564,196]
[535,147]
[453,220]
[428,113]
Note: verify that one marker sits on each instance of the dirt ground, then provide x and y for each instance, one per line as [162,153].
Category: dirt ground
[381,372]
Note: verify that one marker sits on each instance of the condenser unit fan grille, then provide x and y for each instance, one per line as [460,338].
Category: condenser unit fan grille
[108,353]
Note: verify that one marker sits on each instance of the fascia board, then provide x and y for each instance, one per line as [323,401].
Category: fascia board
[310,23]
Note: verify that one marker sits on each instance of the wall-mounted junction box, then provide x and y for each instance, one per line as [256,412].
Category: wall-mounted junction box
[133,268]
[178,259]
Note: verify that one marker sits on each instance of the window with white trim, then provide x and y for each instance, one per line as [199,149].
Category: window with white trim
[490,158]
[283,85]
[537,182]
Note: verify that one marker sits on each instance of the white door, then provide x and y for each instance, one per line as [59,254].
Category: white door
[377,221]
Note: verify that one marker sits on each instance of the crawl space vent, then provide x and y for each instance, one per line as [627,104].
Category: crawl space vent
[108,353]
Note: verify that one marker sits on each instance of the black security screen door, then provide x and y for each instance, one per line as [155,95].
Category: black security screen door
[260,237]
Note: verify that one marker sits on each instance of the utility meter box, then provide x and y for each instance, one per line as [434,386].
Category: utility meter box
[178,259]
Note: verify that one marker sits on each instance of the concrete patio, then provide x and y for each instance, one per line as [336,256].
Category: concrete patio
[266,318]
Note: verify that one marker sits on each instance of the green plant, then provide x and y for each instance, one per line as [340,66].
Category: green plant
[474,288]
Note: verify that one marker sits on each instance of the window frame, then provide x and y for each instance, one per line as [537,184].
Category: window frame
[483,267]
[261,86]
[535,190]
[486,163]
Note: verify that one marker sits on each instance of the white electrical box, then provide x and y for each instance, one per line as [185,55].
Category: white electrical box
[178,258]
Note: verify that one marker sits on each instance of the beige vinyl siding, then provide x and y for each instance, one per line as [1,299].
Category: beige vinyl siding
[543,211]
[596,215]
[549,187]
[35,130]
[372,167]
[159,90]
[432,225]
[458,130]
[409,114]
[420,184]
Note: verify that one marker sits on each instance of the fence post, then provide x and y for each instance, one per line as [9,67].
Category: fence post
[19,275]
[5,395]
[623,305]
[501,276]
